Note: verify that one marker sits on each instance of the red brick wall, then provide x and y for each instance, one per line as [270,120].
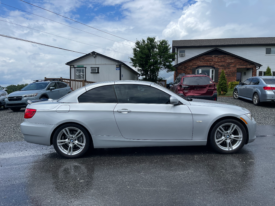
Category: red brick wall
[223,62]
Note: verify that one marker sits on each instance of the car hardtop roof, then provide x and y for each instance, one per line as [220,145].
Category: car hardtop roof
[266,77]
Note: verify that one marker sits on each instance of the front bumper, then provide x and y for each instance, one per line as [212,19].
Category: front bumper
[21,103]
[214,97]
[37,133]
[251,128]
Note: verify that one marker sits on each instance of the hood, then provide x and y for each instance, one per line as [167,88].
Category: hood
[21,93]
[209,103]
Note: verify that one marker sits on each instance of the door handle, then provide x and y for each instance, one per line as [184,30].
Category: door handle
[123,111]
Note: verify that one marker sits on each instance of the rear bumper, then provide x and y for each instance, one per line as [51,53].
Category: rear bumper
[37,133]
[214,97]
[269,96]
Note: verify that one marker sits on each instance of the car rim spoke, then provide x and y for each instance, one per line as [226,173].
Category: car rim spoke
[225,139]
[221,140]
[71,141]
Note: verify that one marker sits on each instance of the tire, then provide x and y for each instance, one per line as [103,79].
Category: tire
[222,141]
[15,109]
[256,99]
[70,146]
[235,94]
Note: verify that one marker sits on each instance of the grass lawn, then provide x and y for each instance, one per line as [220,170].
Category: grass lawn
[228,94]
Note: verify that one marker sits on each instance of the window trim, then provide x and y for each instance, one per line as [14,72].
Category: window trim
[211,71]
[84,68]
[95,72]
[143,103]
[99,102]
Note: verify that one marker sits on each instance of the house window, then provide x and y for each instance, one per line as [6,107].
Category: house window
[182,53]
[79,73]
[273,73]
[261,73]
[206,71]
[270,51]
[94,69]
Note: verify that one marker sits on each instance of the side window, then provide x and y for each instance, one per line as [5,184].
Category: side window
[140,94]
[247,82]
[52,84]
[61,85]
[255,81]
[104,94]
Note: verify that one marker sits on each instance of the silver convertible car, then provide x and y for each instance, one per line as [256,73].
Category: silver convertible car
[134,114]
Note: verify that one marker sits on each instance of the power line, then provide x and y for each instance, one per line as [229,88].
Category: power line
[57,22]
[33,42]
[57,35]
[11,37]
[75,20]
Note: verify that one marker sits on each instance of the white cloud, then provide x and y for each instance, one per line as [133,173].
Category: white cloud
[172,20]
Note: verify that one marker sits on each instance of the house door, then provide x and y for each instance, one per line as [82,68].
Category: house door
[239,76]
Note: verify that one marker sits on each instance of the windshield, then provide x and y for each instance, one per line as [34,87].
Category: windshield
[197,81]
[269,81]
[35,86]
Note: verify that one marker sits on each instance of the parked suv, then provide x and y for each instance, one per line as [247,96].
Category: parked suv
[256,89]
[3,95]
[38,90]
[195,86]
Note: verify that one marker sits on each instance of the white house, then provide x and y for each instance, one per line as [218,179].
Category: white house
[96,67]
[259,52]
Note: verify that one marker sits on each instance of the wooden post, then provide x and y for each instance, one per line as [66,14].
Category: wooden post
[83,83]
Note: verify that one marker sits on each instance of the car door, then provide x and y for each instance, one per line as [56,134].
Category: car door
[243,88]
[62,89]
[144,112]
[252,86]
[53,94]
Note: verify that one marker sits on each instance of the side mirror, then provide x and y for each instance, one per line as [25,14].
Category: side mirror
[174,101]
[52,88]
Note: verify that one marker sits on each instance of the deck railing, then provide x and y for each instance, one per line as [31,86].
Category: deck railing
[73,83]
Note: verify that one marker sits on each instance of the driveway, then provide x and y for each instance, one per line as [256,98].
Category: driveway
[263,114]
[35,175]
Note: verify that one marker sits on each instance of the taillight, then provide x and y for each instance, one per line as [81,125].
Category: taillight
[269,88]
[29,113]
[72,89]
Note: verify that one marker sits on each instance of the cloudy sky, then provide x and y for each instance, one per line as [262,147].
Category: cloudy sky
[22,62]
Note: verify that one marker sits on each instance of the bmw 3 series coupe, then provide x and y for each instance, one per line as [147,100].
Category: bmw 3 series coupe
[134,114]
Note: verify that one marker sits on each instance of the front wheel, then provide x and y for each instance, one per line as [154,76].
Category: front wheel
[235,94]
[71,141]
[228,136]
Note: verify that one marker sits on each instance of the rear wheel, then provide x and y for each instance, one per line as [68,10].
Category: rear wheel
[15,109]
[71,140]
[235,94]
[228,136]
[256,99]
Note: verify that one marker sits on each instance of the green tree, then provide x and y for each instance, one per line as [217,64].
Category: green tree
[151,56]
[14,88]
[222,85]
[268,71]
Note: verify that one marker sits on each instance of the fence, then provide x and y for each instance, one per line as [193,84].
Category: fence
[73,83]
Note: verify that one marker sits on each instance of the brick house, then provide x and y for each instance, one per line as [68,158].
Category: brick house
[240,58]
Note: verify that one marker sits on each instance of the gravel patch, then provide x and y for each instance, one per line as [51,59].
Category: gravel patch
[10,125]
[263,114]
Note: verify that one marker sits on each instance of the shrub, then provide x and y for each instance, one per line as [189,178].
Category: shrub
[14,88]
[231,85]
[222,85]
[268,71]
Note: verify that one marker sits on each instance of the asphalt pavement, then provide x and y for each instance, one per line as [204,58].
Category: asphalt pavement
[35,175]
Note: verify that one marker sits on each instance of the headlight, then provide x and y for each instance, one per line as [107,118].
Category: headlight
[2,95]
[249,115]
[30,95]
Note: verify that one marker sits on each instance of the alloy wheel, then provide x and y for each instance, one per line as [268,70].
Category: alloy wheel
[235,94]
[71,141]
[255,99]
[228,136]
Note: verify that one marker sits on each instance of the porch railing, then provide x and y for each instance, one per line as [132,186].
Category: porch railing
[73,83]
